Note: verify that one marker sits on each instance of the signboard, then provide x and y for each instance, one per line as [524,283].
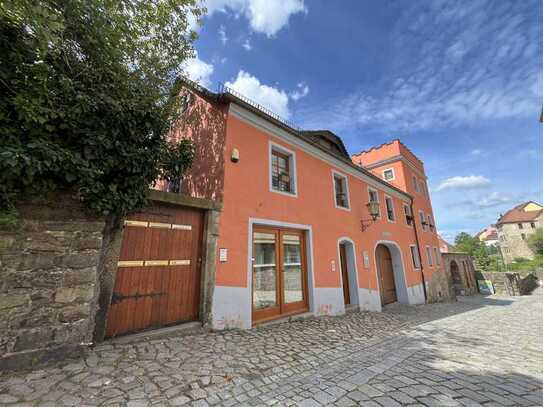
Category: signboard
[485,287]
[366,259]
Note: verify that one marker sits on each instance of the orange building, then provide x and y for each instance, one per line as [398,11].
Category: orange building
[295,232]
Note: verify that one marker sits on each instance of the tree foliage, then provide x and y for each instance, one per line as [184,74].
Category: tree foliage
[88,90]
[466,243]
[535,241]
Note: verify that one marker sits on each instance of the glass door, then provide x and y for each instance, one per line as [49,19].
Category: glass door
[279,274]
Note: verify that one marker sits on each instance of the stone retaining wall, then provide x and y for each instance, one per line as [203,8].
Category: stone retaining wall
[48,282]
[521,282]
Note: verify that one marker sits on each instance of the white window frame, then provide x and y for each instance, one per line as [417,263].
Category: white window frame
[292,169]
[422,219]
[411,214]
[415,256]
[437,255]
[429,256]
[346,179]
[429,219]
[393,210]
[393,174]
[378,201]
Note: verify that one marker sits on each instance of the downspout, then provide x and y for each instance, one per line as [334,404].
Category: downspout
[420,255]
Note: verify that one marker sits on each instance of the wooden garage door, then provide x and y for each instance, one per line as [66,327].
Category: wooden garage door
[158,273]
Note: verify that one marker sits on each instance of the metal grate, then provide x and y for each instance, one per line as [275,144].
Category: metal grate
[222,88]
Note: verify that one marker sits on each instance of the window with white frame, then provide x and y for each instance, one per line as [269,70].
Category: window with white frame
[282,170]
[341,190]
[415,257]
[429,255]
[430,223]
[388,174]
[421,188]
[415,183]
[437,256]
[390,209]
[423,221]
[409,220]
[374,197]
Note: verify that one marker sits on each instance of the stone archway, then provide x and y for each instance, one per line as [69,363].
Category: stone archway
[398,271]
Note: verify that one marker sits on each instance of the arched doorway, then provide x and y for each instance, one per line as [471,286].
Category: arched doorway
[455,273]
[347,264]
[385,273]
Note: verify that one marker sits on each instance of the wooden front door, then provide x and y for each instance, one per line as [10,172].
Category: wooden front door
[279,273]
[158,273]
[386,275]
[344,274]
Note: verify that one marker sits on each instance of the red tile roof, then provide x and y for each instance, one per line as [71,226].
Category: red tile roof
[517,214]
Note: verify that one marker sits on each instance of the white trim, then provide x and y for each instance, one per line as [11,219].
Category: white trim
[437,256]
[403,271]
[393,159]
[429,257]
[348,240]
[339,174]
[393,174]
[378,200]
[292,169]
[404,216]
[264,125]
[393,209]
[309,256]
[413,258]
[424,228]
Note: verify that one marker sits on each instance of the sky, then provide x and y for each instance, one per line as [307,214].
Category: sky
[459,82]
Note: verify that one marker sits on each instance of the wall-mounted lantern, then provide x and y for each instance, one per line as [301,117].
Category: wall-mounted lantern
[234,157]
[373,209]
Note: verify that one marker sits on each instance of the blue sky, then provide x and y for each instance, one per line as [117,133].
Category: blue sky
[459,82]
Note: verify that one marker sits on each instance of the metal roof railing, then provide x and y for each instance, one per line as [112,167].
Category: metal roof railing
[222,88]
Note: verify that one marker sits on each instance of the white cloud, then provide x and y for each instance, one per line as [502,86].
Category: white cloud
[476,151]
[493,200]
[198,70]
[301,91]
[272,98]
[468,182]
[247,44]
[454,64]
[265,16]
[222,35]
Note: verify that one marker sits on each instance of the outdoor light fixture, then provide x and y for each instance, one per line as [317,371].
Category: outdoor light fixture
[373,209]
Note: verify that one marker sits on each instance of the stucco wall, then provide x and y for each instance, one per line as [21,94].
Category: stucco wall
[465,282]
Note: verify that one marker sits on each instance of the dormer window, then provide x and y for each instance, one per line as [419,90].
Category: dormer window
[282,170]
[388,174]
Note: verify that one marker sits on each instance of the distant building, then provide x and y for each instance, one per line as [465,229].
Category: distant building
[444,246]
[489,235]
[515,226]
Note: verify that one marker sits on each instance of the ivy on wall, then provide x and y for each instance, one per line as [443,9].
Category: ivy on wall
[88,89]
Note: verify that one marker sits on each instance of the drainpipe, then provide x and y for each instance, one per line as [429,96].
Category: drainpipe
[420,255]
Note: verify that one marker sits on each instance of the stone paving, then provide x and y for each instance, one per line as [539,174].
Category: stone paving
[477,351]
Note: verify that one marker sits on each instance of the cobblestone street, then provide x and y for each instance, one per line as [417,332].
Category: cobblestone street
[478,351]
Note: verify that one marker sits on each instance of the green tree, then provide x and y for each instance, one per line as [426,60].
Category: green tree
[535,241]
[88,92]
[466,243]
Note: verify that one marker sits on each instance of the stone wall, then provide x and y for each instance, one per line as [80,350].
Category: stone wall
[515,283]
[513,240]
[461,269]
[440,288]
[48,282]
